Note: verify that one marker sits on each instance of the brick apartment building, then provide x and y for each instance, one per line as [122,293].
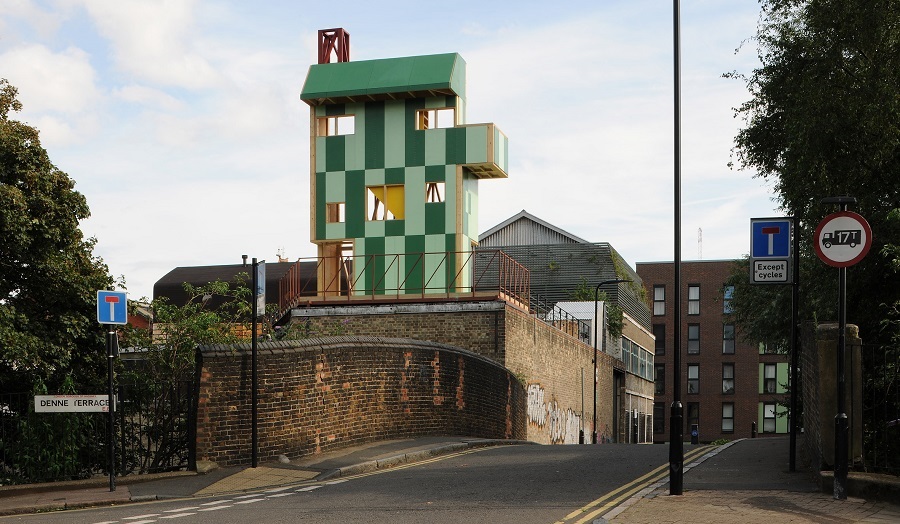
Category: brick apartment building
[729,386]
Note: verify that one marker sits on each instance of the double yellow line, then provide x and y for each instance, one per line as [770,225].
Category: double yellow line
[612,499]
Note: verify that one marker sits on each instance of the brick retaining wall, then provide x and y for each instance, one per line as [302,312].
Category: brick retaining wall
[322,394]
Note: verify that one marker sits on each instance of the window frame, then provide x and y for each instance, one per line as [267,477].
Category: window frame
[727,419]
[767,380]
[766,419]
[386,214]
[659,300]
[330,125]
[728,343]
[693,344]
[660,344]
[727,297]
[726,366]
[659,379]
[693,303]
[695,388]
[435,118]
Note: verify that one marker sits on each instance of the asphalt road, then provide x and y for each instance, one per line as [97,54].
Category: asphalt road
[506,484]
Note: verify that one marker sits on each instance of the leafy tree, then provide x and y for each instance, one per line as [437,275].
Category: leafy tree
[48,274]
[824,120]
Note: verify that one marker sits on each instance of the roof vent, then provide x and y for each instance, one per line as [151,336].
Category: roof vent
[334,42]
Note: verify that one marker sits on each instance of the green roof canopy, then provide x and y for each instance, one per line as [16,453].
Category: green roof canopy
[386,78]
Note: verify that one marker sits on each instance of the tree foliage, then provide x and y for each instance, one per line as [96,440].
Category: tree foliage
[824,120]
[48,272]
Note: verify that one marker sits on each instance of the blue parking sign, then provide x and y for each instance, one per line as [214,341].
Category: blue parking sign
[112,307]
[770,238]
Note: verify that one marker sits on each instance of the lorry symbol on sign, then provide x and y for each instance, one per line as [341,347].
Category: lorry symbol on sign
[842,237]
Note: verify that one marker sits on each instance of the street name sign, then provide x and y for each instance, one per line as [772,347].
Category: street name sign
[770,250]
[71,403]
[112,307]
[842,239]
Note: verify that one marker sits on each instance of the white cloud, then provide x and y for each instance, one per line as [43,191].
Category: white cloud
[153,40]
[59,82]
[147,96]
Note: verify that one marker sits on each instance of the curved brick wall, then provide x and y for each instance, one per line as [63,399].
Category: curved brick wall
[322,394]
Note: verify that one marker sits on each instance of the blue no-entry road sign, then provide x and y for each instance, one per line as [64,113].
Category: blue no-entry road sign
[112,307]
[770,238]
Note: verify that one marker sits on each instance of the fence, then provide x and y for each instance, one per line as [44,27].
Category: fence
[154,427]
[881,408]
[431,275]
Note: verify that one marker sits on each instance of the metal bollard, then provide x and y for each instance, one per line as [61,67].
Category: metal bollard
[753,430]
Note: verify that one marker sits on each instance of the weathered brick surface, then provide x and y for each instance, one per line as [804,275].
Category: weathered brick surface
[322,394]
[551,363]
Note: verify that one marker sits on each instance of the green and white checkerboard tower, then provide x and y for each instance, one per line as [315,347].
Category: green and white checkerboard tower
[394,173]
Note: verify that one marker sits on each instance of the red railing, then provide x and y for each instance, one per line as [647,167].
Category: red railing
[425,276]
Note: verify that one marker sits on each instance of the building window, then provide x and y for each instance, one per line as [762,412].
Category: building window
[770,383]
[693,414]
[659,300]
[693,381]
[439,118]
[660,379]
[693,339]
[659,417]
[694,299]
[728,379]
[768,418]
[728,417]
[385,202]
[335,125]
[434,192]
[334,212]
[728,339]
[659,331]
[727,295]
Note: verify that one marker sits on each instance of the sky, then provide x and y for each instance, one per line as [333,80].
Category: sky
[181,123]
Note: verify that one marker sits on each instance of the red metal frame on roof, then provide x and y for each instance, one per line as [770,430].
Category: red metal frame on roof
[335,41]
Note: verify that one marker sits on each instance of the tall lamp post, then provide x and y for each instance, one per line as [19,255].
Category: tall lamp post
[596,321]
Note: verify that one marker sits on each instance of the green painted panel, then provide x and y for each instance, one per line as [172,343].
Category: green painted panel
[762,378]
[375,261]
[375,228]
[415,270]
[456,145]
[435,214]
[321,151]
[335,187]
[394,175]
[320,206]
[375,177]
[435,173]
[470,213]
[336,231]
[355,208]
[335,159]
[435,147]
[452,207]
[355,144]
[375,135]
[476,144]
[453,283]
[395,133]
[781,376]
[501,149]
[335,110]
[394,228]
[415,140]
[415,201]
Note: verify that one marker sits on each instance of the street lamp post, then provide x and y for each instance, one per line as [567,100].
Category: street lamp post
[596,321]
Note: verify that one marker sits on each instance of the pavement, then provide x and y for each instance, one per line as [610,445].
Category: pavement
[743,481]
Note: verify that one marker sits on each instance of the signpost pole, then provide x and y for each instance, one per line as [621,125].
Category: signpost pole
[254,395]
[795,345]
[111,434]
[841,240]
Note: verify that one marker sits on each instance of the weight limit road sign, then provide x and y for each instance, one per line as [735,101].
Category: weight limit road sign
[112,307]
[843,239]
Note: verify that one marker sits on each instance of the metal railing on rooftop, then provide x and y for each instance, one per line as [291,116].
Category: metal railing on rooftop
[454,274]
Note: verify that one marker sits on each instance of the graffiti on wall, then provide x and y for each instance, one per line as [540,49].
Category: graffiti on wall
[564,425]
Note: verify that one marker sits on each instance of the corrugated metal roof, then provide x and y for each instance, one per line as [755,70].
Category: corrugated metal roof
[523,229]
